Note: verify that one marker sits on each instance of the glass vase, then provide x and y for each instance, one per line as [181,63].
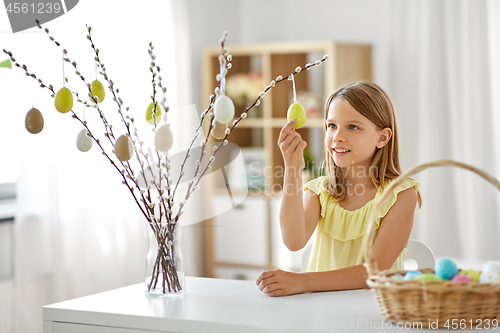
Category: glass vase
[164,266]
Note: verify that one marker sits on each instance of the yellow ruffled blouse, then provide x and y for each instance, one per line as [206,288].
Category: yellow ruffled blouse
[340,232]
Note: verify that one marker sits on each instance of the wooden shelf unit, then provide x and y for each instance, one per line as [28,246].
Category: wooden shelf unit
[347,62]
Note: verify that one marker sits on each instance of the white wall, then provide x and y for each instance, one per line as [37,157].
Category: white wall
[264,21]
[407,39]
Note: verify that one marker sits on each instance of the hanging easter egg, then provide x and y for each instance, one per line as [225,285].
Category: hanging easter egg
[149,114]
[98,90]
[124,148]
[63,100]
[223,109]
[83,141]
[163,138]
[296,111]
[446,269]
[490,272]
[34,121]
[219,130]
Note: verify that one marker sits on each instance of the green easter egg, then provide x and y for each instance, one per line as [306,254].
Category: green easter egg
[428,277]
[98,91]
[149,114]
[473,274]
[63,100]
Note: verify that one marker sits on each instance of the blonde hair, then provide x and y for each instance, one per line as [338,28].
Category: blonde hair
[371,101]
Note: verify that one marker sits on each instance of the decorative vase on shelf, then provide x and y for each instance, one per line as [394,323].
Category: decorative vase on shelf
[164,266]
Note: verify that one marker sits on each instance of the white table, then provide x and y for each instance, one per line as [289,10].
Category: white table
[215,305]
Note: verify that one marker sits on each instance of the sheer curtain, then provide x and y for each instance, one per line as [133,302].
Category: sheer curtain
[77,229]
[444,79]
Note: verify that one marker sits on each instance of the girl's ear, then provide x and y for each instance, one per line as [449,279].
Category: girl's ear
[385,136]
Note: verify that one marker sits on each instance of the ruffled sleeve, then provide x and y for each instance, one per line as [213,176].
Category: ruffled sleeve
[391,200]
[314,185]
[318,187]
[345,225]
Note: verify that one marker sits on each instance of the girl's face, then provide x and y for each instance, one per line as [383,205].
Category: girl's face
[351,138]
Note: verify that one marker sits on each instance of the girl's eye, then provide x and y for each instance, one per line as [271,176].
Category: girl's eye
[332,126]
[353,127]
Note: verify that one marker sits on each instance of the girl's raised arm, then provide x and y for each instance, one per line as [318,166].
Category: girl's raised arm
[299,211]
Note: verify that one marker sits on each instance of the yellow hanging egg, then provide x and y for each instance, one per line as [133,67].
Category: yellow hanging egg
[63,100]
[124,148]
[34,121]
[219,130]
[98,90]
[149,114]
[296,110]
[163,138]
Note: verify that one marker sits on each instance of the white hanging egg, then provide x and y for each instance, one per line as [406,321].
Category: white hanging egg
[224,109]
[124,148]
[163,138]
[83,141]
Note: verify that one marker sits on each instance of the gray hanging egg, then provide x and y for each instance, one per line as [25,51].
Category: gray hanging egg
[83,141]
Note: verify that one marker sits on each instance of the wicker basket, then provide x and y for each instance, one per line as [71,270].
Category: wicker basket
[434,304]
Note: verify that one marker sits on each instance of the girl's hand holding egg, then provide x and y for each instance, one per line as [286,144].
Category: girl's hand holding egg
[292,146]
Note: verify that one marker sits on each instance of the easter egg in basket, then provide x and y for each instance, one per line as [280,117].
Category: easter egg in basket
[473,274]
[411,275]
[490,272]
[461,278]
[446,269]
[428,277]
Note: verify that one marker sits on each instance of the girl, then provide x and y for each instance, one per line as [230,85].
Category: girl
[361,152]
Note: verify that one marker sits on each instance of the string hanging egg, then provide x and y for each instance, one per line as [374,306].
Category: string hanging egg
[98,91]
[149,114]
[296,110]
[163,138]
[223,109]
[83,141]
[219,130]
[34,121]
[63,100]
[124,148]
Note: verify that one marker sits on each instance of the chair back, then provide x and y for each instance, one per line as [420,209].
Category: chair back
[421,253]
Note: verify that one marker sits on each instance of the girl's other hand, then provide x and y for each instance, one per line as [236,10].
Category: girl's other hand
[292,146]
[280,283]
